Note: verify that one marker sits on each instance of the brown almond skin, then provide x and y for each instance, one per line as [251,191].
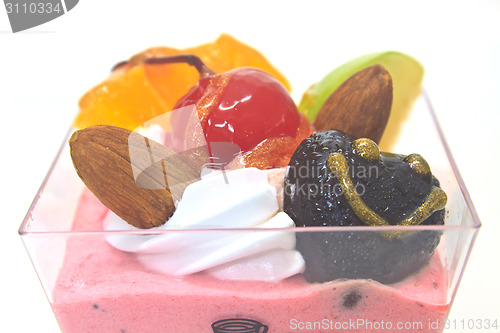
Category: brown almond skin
[360,107]
[101,157]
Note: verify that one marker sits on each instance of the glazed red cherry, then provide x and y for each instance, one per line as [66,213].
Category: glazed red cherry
[244,106]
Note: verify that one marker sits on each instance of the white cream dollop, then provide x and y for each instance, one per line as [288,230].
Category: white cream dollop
[241,198]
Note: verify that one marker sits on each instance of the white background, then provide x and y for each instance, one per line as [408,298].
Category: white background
[45,70]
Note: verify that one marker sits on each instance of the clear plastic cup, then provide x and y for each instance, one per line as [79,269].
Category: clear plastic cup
[93,287]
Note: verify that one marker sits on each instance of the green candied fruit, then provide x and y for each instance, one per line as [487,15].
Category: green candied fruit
[406,73]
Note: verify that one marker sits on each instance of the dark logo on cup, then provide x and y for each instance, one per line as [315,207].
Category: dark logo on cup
[25,14]
[238,326]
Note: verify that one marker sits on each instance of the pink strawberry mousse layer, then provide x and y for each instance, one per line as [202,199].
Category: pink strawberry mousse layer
[102,289]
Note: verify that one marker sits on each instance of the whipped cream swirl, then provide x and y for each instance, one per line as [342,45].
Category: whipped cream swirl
[246,200]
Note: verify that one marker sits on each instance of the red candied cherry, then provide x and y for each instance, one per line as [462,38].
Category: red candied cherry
[244,106]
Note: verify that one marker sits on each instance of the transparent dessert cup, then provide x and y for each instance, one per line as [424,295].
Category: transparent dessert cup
[92,286]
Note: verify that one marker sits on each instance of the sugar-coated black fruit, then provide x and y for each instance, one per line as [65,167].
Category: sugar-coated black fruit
[387,184]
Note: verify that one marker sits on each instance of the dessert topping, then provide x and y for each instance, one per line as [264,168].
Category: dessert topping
[247,200]
[419,165]
[136,92]
[336,180]
[338,165]
[137,178]
[244,106]
[406,74]
[360,107]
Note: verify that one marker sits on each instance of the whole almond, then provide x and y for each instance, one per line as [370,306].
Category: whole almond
[361,106]
[136,178]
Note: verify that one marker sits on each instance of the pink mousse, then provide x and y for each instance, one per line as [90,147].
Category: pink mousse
[101,289]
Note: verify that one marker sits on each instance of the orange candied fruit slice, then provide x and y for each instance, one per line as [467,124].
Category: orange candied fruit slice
[136,93]
[125,99]
[276,152]
[227,53]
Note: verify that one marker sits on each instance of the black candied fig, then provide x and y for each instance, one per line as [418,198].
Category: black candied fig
[334,179]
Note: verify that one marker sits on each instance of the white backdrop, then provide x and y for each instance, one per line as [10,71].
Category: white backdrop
[44,71]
